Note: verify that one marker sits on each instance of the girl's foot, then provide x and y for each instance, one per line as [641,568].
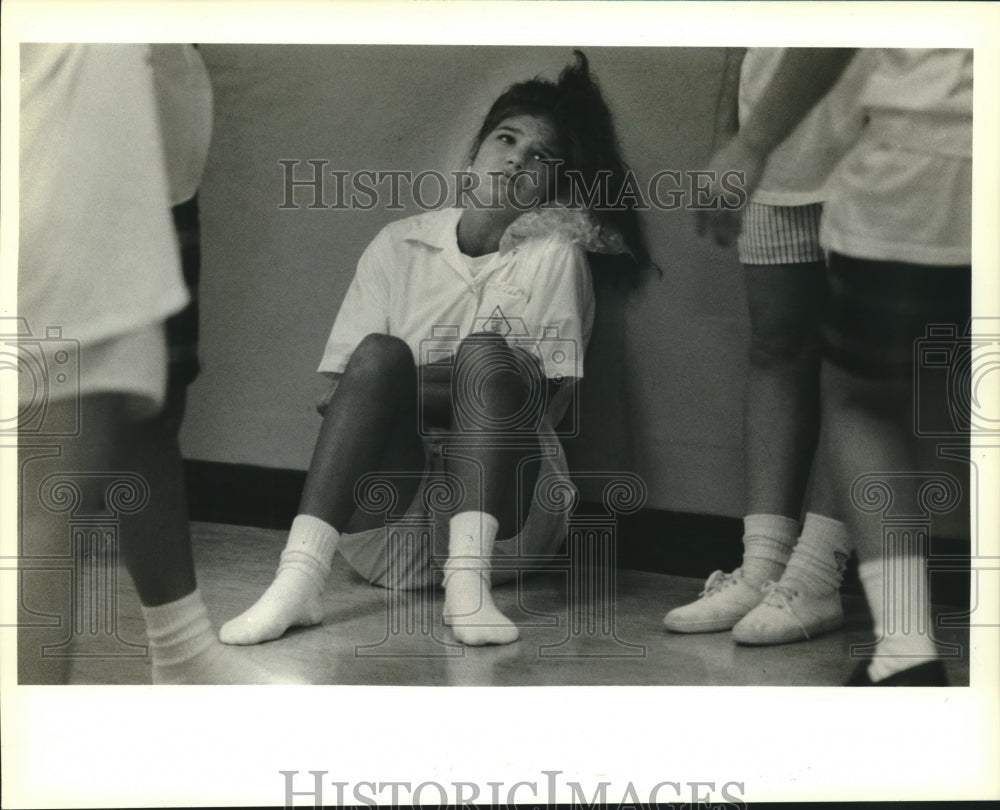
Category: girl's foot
[470,611]
[725,599]
[468,601]
[295,598]
[292,600]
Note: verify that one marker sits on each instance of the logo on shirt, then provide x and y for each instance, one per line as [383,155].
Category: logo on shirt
[496,323]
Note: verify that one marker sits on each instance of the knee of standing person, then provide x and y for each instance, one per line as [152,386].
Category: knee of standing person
[378,354]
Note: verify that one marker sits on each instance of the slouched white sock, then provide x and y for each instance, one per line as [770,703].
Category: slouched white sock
[295,598]
[468,600]
[767,544]
[818,561]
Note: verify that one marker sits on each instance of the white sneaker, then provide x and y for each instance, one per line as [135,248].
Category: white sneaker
[787,613]
[725,600]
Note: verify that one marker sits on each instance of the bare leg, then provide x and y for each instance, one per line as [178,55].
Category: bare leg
[46,589]
[155,543]
[781,419]
[781,408]
[498,398]
[867,434]
[369,425]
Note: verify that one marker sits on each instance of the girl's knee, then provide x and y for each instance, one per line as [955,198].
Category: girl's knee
[487,363]
[378,354]
[496,384]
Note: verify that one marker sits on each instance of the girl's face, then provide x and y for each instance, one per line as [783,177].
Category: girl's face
[519,144]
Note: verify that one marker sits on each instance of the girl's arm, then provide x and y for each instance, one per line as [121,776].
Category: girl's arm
[727,109]
[724,226]
[803,77]
[327,398]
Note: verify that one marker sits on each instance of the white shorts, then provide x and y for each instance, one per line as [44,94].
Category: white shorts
[412,558]
[780,234]
[57,369]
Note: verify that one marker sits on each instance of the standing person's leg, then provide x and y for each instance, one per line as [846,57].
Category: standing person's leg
[784,277]
[781,406]
[156,547]
[371,423]
[867,434]
[805,601]
[80,444]
[499,396]
[883,309]
[163,569]
[155,544]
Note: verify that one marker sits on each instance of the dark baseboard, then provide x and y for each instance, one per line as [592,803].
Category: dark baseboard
[242,494]
[654,540]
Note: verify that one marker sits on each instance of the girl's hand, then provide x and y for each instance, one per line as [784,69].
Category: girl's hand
[722,227]
[743,168]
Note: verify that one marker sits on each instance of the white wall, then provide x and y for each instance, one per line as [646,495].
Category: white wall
[666,364]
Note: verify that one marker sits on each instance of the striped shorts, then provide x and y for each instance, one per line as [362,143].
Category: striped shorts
[780,234]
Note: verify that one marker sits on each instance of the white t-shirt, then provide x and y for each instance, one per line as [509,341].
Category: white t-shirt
[412,282]
[184,100]
[904,192]
[98,254]
[799,167]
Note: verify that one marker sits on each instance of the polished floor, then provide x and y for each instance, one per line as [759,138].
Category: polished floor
[378,637]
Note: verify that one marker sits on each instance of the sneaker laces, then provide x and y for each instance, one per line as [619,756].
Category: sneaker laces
[717,581]
[782,596]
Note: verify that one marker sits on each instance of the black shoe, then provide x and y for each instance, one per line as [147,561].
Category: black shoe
[929,673]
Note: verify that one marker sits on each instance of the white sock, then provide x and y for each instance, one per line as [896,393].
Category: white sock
[468,601]
[295,598]
[818,561]
[767,543]
[902,615]
[185,650]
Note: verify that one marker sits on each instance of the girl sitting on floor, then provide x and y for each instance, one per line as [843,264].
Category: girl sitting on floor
[440,362]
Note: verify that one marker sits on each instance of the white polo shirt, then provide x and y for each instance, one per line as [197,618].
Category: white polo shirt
[412,282]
